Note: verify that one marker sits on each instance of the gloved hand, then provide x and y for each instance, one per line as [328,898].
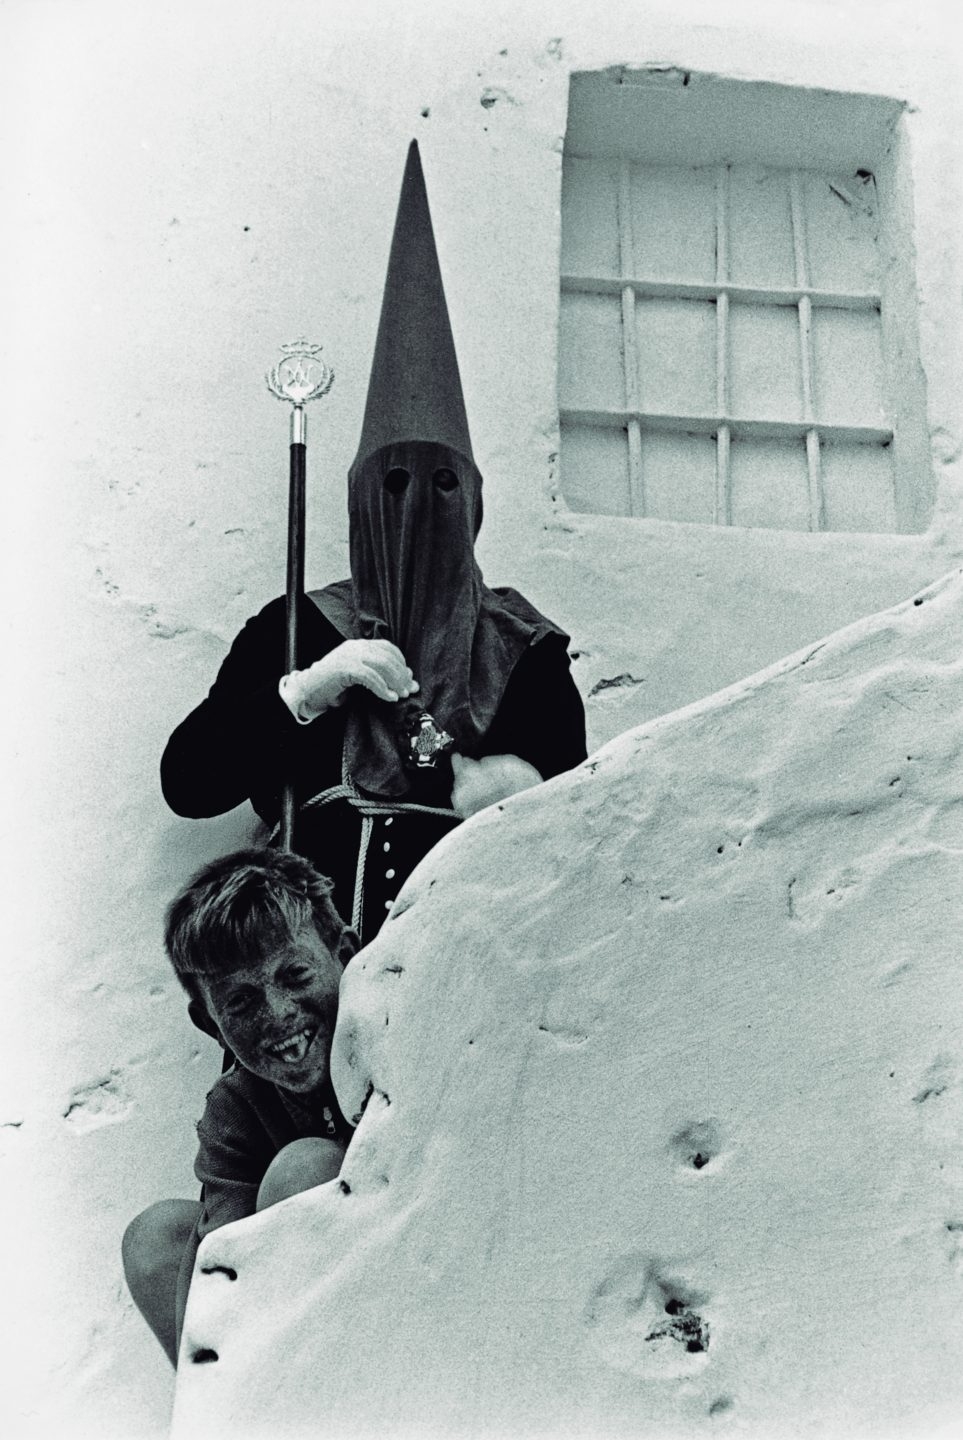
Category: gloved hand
[483,782]
[376,664]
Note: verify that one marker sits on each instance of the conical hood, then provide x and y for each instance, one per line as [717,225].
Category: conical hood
[415,391]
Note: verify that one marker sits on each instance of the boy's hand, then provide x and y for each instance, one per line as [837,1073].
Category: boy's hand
[376,664]
[483,782]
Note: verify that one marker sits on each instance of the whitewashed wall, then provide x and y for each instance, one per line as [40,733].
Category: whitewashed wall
[191,185]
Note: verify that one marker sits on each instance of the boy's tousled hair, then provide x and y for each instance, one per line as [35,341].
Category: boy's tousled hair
[242,905]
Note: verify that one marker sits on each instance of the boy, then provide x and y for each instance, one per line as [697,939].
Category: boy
[257,944]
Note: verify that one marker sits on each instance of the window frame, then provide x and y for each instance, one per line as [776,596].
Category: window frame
[876,151]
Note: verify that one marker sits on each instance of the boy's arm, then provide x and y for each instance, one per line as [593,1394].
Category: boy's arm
[232,1156]
[234,1152]
[184,1276]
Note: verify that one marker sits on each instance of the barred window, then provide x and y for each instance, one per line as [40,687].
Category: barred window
[725,352]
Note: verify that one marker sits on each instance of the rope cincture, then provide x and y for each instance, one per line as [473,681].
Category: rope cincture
[357,908]
[367,807]
[369,810]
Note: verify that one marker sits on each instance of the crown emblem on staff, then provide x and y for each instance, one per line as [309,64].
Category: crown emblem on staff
[300,375]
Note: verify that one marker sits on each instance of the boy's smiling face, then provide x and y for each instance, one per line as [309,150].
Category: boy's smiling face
[278,1015]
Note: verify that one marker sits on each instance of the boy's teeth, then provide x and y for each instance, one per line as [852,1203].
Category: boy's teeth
[292,1050]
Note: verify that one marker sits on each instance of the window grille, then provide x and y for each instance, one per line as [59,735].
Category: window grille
[722,346]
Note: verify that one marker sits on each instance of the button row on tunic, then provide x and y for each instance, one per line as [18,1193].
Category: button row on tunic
[389,874]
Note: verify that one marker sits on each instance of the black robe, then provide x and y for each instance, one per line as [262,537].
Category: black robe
[242,743]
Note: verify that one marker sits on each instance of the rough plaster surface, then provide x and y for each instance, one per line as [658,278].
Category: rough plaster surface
[185,187]
[668,1135]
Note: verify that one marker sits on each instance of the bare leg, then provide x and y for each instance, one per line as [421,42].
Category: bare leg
[152,1250]
[299,1166]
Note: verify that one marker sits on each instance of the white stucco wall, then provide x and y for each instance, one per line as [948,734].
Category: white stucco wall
[191,185]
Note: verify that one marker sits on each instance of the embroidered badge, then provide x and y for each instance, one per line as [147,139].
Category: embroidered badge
[425,742]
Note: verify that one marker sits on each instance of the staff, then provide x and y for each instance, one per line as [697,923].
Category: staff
[299,376]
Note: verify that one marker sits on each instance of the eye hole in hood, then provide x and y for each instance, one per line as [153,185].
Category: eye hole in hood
[396,480]
[445,479]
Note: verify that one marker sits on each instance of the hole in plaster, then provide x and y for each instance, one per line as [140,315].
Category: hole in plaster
[696,1145]
[684,1326]
[219,1270]
[204,1357]
[344,1187]
[721,1406]
[615,682]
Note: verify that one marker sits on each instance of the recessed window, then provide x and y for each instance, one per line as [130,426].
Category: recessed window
[737,323]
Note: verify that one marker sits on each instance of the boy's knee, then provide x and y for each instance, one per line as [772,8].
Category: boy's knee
[300,1166]
[154,1241]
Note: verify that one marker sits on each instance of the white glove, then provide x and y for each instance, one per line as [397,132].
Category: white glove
[376,664]
[483,782]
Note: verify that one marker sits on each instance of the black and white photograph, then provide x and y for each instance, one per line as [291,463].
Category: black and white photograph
[483,494]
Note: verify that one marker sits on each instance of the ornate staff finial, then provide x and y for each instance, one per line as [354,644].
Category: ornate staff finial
[299,376]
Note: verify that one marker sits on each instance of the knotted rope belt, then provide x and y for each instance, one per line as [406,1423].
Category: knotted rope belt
[369,809]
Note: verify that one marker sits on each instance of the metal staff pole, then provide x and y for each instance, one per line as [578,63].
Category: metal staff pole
[299,376]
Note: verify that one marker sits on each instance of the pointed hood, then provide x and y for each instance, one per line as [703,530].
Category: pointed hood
[414,392]
[414,510]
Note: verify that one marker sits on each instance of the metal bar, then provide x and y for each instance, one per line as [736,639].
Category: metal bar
[806,356]
[722,224]
[708,424]
[798,214]
[817,517]
[722,508]
[630,347]
[294,591]
[866,300]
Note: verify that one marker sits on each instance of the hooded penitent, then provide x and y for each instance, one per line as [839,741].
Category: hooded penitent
[415,507]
